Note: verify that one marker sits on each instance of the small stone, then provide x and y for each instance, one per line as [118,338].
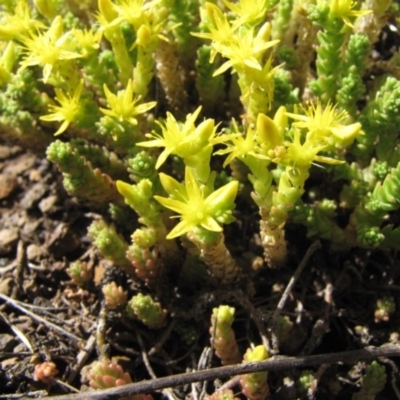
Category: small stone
[48,204]
[63,240]
[20,164]
[7,342]
[7,185]
[8,151]
[35,175]
[34,195]
[9,363]
[8,240]
[6,285]
[34,252]
[30,228]
[5,152]
[21,347]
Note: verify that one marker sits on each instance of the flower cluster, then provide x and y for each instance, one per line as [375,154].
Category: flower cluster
[184,140]
[68,110]
[123,107]
[48,48]
[180,118]
[244,43]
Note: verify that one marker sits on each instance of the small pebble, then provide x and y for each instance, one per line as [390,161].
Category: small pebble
[8,183]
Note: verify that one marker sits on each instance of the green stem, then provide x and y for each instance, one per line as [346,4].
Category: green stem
[115,37]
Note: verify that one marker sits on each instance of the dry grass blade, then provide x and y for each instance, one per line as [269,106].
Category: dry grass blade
[18,333]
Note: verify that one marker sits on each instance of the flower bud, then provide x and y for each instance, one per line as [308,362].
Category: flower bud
[265,32]
[107,10]
[143,36]
[48,8]
[269,132]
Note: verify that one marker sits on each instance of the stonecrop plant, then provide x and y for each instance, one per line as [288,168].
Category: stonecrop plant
[178,121]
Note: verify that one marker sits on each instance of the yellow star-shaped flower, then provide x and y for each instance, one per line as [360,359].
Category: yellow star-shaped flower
[326,125]
[344,9]
[197,208]
[123,106]
[48,48]
[183,139]
[68,109]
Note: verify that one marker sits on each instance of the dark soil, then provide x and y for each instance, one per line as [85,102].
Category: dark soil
[44,316]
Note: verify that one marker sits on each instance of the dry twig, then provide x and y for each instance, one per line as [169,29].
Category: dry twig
[81,358]
[18,333]
[281,304]
[167,392]
[19,306]
[102,347]
[34,395]
[273,364]
[165,336]
[21,267]
[311,250]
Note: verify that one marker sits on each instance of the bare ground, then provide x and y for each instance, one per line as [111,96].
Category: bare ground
[45,317]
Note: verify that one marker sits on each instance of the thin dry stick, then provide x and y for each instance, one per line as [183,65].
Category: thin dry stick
[81,358]
[229,384]
[394,374]
[205,361]
[274,338]
[8,268]
[167,392]
[18,333]
[194,392]
[318,331]
[66,385]
[122,349]
[246,303]
[317,377]
[44,312]
[10,354]
[179,359]
[36,395]
[273,364]
[194,386]
[145,358]
[37,318]
[315,246]
[21,267]
[165,336]
[47,310]
[101,345]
